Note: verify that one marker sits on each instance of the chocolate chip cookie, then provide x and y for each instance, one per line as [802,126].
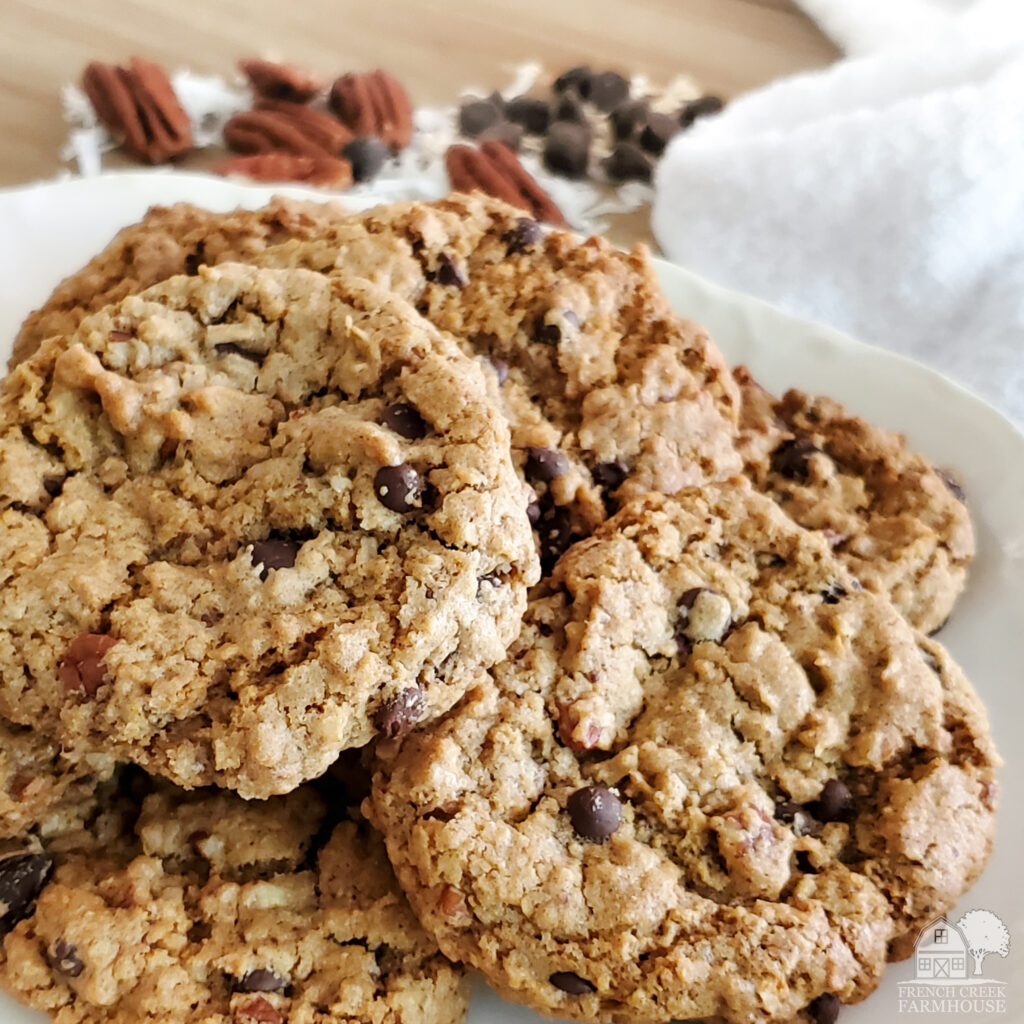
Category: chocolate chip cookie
[252,518]
[167,241]
[900,525]
[206,908]
[714,778]
[608,392]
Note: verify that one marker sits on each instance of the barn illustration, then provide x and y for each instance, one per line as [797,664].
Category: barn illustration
[941,953]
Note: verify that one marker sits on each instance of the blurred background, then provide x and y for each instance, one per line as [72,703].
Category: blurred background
[437,47]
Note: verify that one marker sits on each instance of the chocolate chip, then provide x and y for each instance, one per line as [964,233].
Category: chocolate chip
[954,487]
[578,78]
[447,273]
[699,108]
[22,876]
[607,90]
[82,667]
[404,420]
[627,117]
[704,614]
[475,116]
[825,1009]
[570,109]
[63,958]
[367,156]
[399,714]
[657,132]
[534,115]
[53,484]
[627,162]
[571,983]
[533,512]
[567,149]
[500,369]
[544,464]
[398,488]
[595,812]
[554,531]
[835,802]
[262,979]
[274,553]
[525,234]
[834,593]
[791,459]
[787,810]
[610,475]
[507,133]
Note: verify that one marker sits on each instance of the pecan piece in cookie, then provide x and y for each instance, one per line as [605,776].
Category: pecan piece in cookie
[495,170]
[375,104]
[137,105]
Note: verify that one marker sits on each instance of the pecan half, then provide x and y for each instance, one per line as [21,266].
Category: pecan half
[277,126]
[374,104]
[317,125]
[280,166]
[279,81]
[137,105]
[496,170]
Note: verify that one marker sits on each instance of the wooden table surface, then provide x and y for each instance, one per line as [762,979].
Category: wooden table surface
[437,47]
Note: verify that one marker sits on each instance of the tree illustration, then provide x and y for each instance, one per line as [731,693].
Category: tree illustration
[985,934]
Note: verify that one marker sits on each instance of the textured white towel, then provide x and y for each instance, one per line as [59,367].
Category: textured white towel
[884,195]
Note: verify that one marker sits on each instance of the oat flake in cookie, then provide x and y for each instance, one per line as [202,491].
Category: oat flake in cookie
[256,517]
[891,517]
[205,909]
[713,779]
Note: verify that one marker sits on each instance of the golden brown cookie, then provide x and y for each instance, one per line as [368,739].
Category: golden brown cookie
[169,240]
[899,524]
[203,908]
[714,779]
[252,518]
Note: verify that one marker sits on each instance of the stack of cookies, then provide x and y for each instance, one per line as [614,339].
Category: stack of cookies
[393,593]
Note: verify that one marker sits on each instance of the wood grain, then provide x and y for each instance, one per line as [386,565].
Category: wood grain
[438,47]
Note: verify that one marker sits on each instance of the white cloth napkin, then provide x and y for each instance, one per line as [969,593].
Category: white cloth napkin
[884,195]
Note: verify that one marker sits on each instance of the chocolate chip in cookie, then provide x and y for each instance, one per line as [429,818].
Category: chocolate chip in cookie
[404,419]
[274,553]
[399,488]
[792,458]
[595,813]
[22,875]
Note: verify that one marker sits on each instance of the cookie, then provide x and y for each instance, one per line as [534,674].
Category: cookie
[252,518]
[608,392]
[167,241]
[204,908]
[35,776]
[899,524]
[714,778]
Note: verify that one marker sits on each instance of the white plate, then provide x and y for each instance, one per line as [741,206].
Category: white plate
[48,231]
